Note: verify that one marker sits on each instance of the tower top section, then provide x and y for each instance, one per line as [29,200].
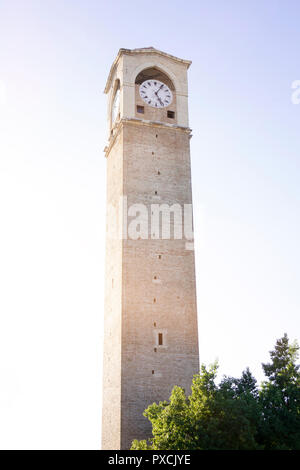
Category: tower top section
[147,85]
[144,51]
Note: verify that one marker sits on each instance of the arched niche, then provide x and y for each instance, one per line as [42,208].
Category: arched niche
[116,86]
[166,114]
[156,74]
[163,68]
[114,91]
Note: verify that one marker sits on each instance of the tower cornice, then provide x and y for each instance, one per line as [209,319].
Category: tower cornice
[143,50]
[141,122]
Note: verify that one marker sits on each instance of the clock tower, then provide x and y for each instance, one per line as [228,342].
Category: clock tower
[150,320]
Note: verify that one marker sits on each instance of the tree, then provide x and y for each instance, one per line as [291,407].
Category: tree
[234,414]
[280,398]
[204,419]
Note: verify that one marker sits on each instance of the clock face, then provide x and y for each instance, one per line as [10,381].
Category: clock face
[156,94]
[115,106]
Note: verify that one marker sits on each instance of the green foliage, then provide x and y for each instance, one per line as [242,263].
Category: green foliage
[140,445]
[233,414]
[280,398]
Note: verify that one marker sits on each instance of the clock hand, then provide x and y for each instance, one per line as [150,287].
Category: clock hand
[159,89]
[158,97]
[156,93]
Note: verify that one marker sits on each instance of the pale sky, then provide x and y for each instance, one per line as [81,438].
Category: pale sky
[54,60]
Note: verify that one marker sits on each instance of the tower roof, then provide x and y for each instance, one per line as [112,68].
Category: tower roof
[143,50]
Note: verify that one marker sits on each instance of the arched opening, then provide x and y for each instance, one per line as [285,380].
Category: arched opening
[115,103]
[160,105]
[155,74]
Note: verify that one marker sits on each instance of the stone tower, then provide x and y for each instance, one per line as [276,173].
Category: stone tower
[150,330]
